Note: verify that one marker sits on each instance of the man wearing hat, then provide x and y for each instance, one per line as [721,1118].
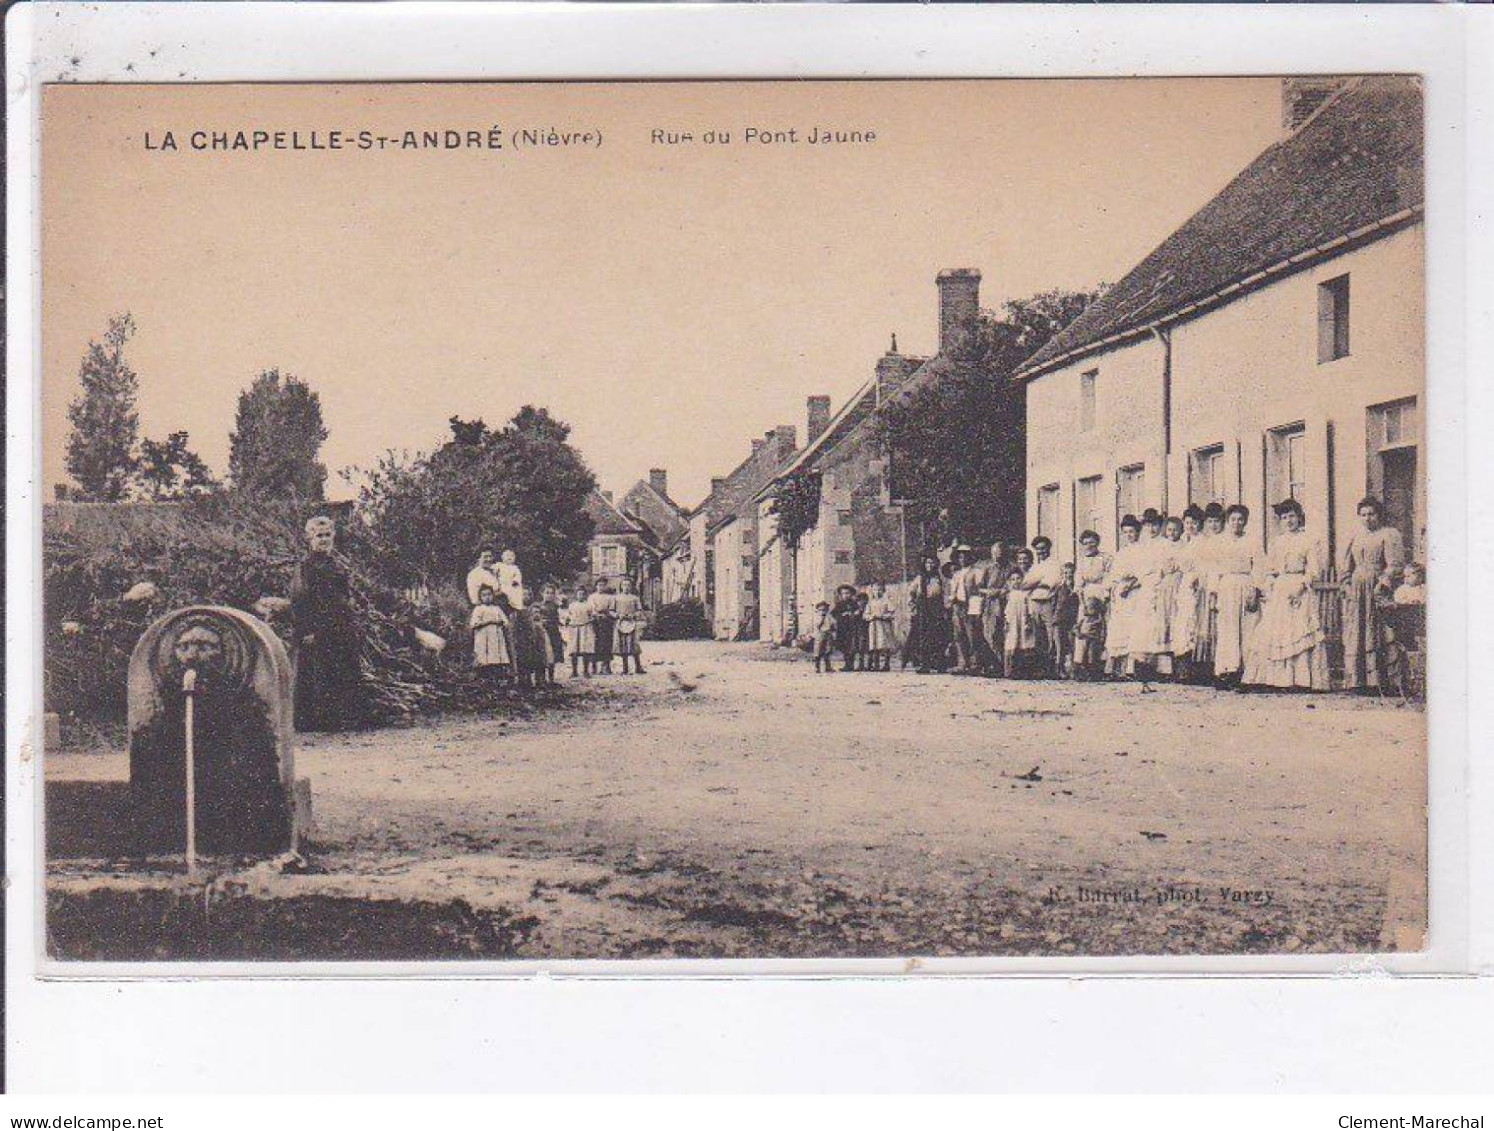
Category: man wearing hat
[964,596]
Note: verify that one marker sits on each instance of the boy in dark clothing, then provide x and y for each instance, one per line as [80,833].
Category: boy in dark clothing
[1066,619]
[847,619]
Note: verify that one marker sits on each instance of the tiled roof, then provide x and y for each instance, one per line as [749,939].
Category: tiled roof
[607,518]
[1356,164]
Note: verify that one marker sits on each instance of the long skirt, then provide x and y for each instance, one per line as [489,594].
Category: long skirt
[581,639]
[603,628]
[1024,630]
[328,682]
[928,637]
[1364,635]
[1233,622]
[1150,630]
[490,646]
[1122,630]
[1290,647]
[879,635]
[1179,595]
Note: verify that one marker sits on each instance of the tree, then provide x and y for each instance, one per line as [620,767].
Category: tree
[522,488]
[101,447]
[958,449]
[797,505]
[277,435]
[168,469]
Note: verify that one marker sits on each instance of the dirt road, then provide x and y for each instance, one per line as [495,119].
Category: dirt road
[732,802]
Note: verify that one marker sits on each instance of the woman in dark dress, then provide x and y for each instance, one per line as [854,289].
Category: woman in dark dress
[928,634]
[325,650]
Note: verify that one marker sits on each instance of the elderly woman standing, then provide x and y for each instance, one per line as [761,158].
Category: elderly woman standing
[1290,648]
[1373,561]
[927,646]
[328,680]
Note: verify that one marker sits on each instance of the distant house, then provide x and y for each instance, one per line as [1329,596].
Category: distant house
[1270,347]
[717,564]
[620,546]
[860,534]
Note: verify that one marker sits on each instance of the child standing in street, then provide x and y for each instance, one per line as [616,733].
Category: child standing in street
[580,638]
[824,638]
[488,622]
[1066,620]
[879,615]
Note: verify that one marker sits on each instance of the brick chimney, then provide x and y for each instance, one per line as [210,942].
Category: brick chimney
[959,304]
[658,479]
[817,418]
[1303,95]
[785,436]
[717,482]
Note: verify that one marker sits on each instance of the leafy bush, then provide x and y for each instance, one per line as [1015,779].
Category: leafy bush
[680,620]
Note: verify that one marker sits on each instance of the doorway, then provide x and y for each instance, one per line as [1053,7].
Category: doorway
[1398,487]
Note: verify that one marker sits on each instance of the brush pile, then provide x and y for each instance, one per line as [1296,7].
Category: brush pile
[112,569]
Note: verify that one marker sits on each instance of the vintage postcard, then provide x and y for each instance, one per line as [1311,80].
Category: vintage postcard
[494,521]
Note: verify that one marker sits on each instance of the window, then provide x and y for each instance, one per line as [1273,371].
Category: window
[1087,504]
[1399,423]
[1286,467]
[609,560]
[842,557]
[1047,510]
[843,517]
[1206,484]
[1087,400]
[1130,487]
[1287,475]
[1333,319]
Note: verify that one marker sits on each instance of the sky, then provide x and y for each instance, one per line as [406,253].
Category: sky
[669,301]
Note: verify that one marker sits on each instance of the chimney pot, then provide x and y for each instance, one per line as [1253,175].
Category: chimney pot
[817,418]
[658,479]
[717,482]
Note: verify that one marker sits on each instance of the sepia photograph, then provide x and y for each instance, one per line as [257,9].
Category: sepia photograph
[501,522]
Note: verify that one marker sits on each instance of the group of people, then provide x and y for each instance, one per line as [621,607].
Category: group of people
[860,626]
[518,640]
[1190,597]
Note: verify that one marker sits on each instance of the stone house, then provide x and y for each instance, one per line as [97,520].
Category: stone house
[719,563]
[633,534]
[1226,366]
[862,534]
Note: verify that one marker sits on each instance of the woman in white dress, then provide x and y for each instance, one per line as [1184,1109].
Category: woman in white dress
[1149,642]
[1232,564]
[1290,647]
[1123,630]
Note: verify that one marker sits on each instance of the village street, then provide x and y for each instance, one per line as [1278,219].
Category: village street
[732,802]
